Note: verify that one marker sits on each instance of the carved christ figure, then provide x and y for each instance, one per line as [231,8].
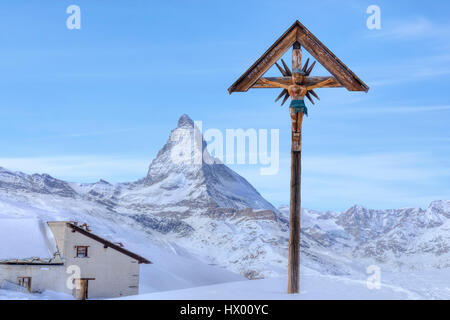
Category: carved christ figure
[297,92]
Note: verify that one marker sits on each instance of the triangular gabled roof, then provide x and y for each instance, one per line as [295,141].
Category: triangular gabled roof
[108,244]
[299,33]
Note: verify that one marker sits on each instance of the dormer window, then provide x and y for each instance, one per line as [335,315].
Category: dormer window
[81,251]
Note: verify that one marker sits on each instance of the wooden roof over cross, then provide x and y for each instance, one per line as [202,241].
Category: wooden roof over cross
[343,76]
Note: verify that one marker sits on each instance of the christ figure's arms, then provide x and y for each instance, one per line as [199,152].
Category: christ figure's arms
[320,84]
[275,84]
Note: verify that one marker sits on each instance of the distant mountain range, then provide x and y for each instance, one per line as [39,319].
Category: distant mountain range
[204,209]
[397,239]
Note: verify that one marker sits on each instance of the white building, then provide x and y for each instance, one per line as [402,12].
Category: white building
[65,257]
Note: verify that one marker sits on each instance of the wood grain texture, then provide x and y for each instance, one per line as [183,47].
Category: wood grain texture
[308,81]
[321,84]
[288,71]
[285,98]
[308,72]
[309,97]
[305,67]
[314,94]
[294,218]
[267,60]
[283,92]
[299,33]
[296,57]
[281,70]
[294,225]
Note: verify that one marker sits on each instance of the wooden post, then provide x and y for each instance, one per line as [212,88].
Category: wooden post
[294,220]
[296,56]
[295,201]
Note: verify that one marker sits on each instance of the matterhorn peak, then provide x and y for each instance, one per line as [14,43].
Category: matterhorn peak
[185,121]
[186,171]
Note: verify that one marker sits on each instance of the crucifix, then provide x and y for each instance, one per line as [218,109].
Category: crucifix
[297,84]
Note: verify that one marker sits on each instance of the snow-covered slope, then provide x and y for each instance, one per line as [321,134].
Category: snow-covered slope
[313,286]
[173,267]
[25,238]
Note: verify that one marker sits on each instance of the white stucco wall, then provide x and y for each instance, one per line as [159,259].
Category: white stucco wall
[42,277]
[115,273]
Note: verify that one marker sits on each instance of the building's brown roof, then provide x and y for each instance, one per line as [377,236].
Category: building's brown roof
[299,33]
[108,244]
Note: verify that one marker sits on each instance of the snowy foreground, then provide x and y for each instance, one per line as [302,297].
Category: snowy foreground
[177,273]
[47,295]
[315,286]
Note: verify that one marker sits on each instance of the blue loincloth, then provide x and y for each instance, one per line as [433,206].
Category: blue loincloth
[299,106]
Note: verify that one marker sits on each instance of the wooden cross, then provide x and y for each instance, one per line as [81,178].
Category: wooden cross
[297,84]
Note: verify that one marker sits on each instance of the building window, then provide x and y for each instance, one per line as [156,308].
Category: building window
[82,251]
[24,282]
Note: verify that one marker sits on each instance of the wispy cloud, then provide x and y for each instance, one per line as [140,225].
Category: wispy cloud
[410,70]
[330,181]
[395,109]
[381,167]
[411,76]
[96,133]
[81,168]
[378,180]
[411,29]
[432,62]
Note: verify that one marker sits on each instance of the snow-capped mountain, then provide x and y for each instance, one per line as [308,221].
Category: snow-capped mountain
[195,206]
[185,180]
[188,199]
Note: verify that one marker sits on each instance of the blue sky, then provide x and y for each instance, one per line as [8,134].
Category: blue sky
[99,102]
